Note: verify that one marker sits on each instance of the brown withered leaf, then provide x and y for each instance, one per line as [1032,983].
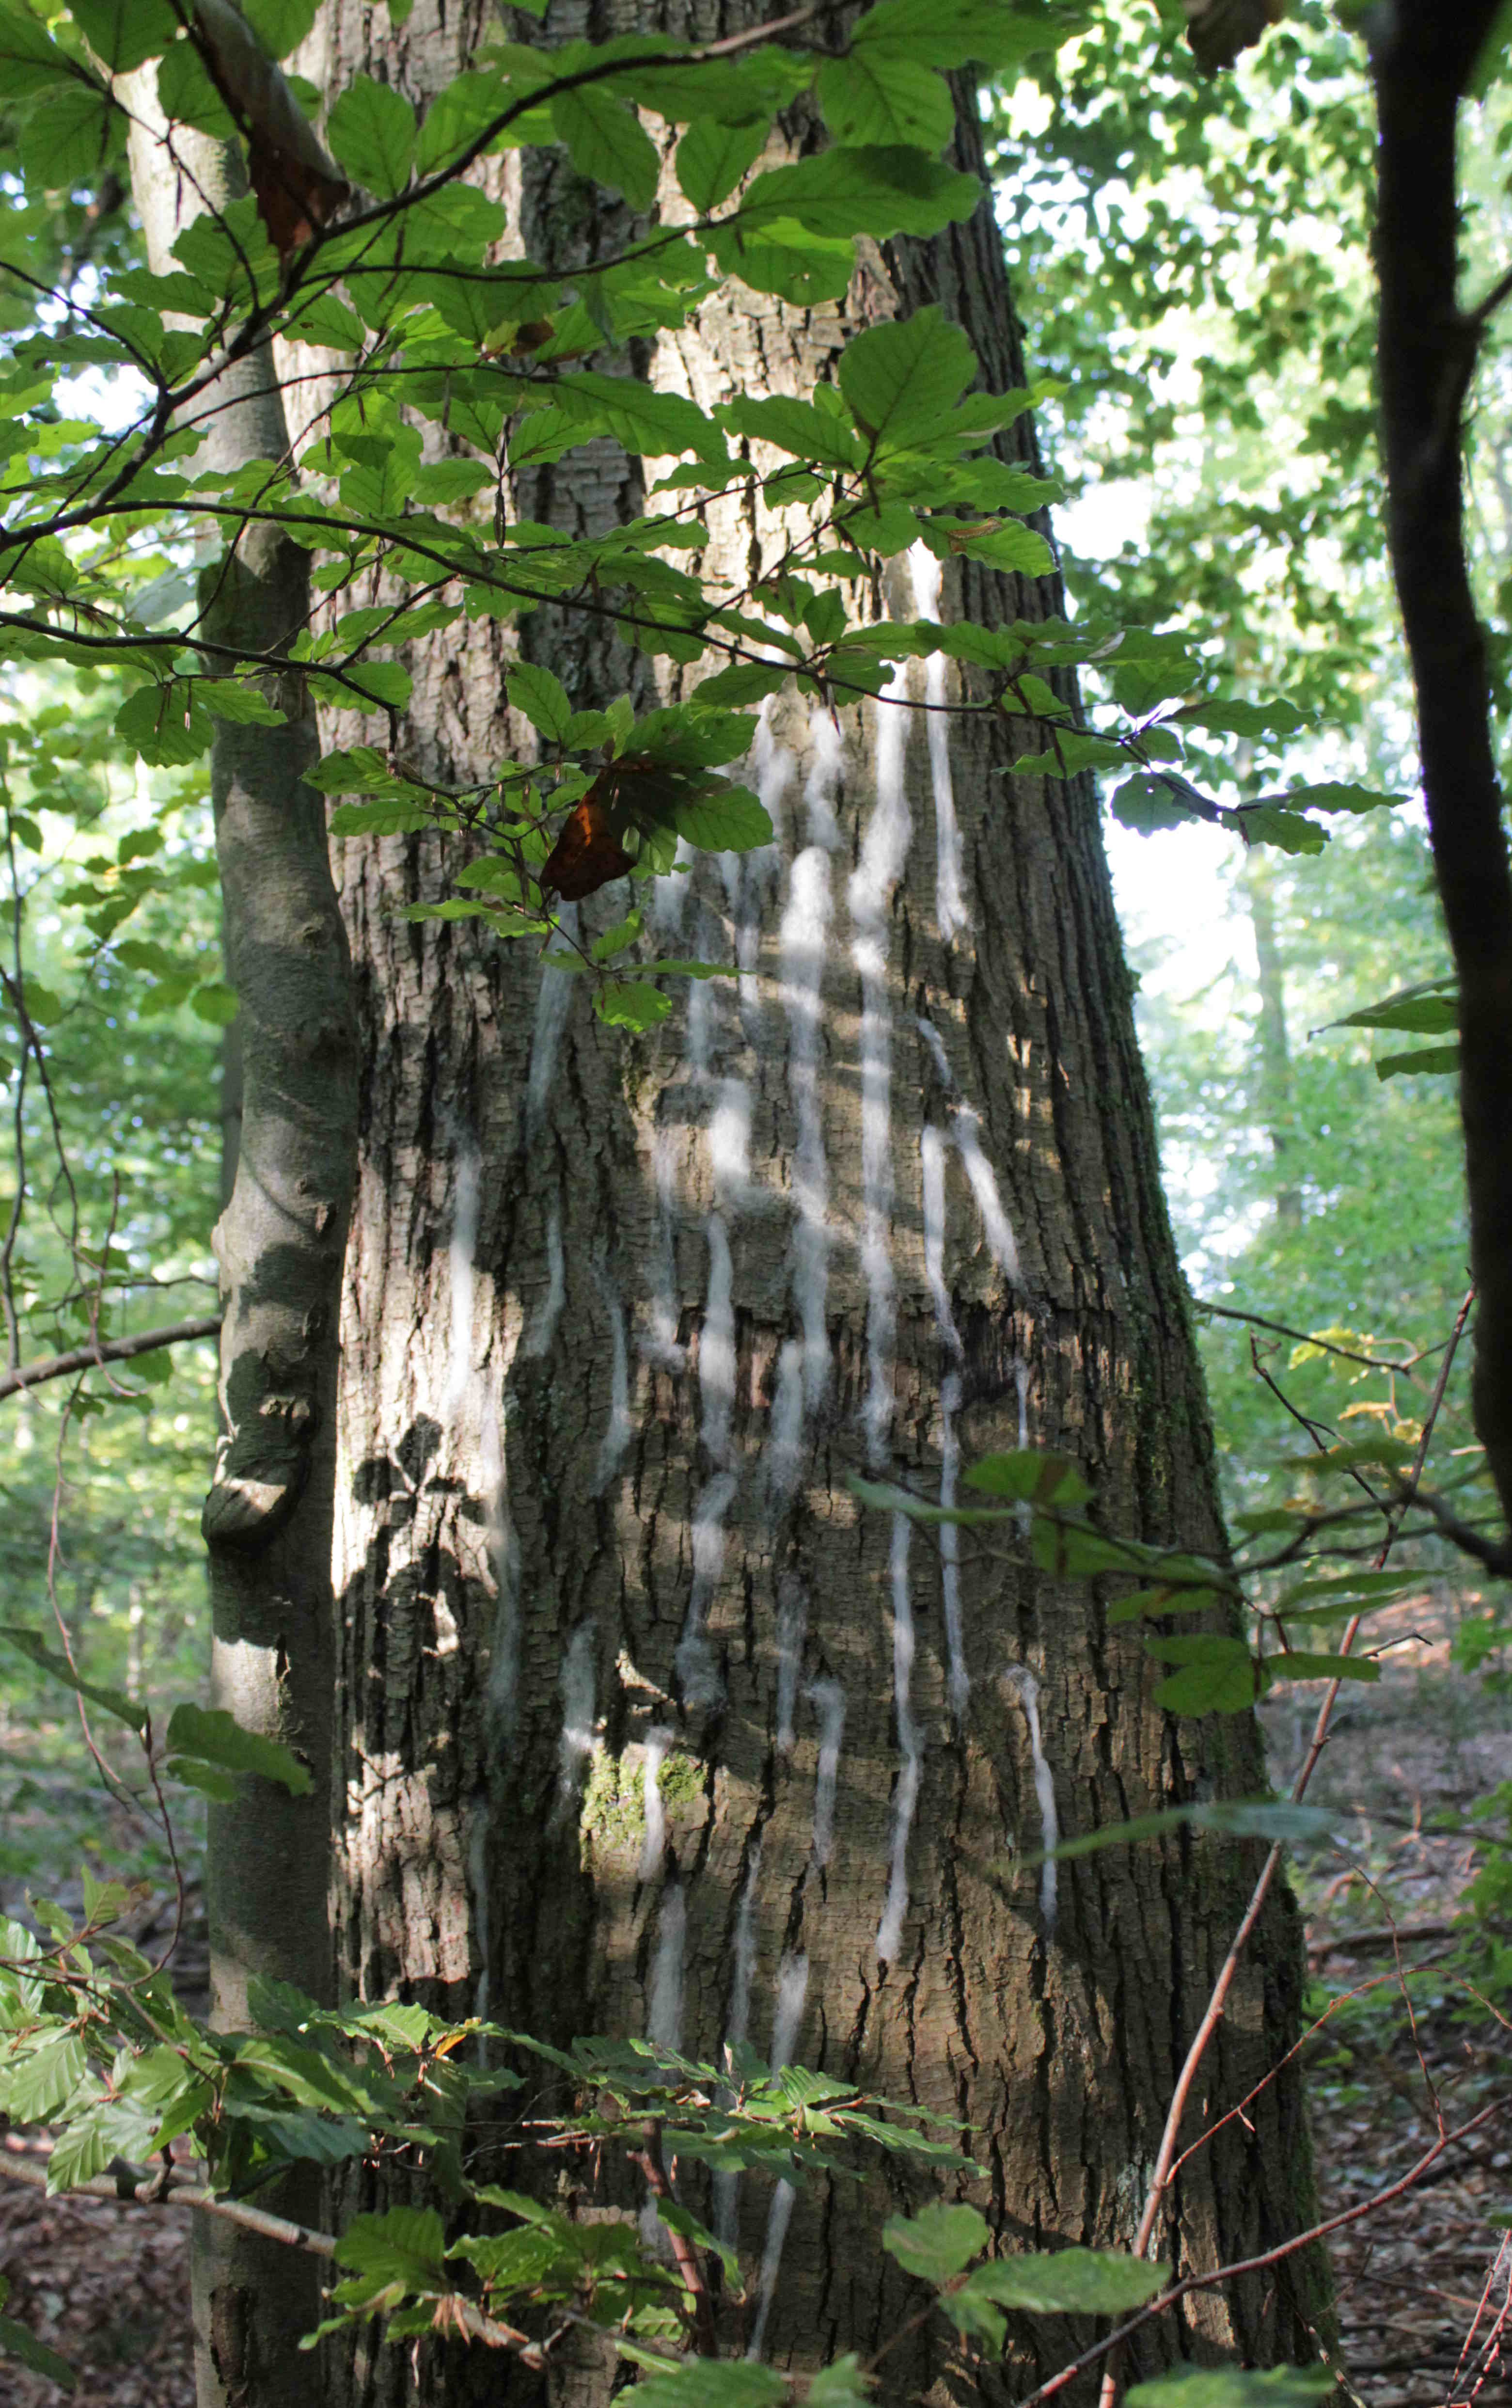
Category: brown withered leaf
[1219,29]
[587,854]
[296,184]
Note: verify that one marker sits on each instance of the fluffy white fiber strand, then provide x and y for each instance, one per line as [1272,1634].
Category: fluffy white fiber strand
[791,1989]
[828,1701]
[543,1328]
[1024,1686]
[785,1440]
[801,941]
[663,2017]
[826,761]
[949,897]
[462,1251]
[737,2028]
[932,1158]
[660,1345]
[553,1002]
[576,1681]
[1001,1242]
[791,1630]
[500,1698]
[883,856]
[910,1745]
[658,1739]
[620,1429]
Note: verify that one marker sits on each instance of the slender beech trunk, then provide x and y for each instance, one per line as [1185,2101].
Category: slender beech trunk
[1273,1046]
[646,1726]
[1422,59]
[290,1075]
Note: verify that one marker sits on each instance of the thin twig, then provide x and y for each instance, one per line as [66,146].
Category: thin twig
[1218,2001]
[180,2190]
[1307,1338]
[1241,2265]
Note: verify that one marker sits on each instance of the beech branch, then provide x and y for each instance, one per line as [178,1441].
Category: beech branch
[106,1350]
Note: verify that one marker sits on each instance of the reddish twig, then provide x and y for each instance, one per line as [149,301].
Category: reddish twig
[1283,2249]
[1218,2001]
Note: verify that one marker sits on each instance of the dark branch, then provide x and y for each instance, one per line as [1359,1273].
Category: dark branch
[106,1350]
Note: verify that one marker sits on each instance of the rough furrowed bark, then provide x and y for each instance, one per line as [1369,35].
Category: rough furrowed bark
[279,1243]
[1427,352]
[647,1726]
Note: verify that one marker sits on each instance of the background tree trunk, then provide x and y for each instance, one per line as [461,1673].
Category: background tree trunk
[288,1095]
[647,1726]
[1273,1048]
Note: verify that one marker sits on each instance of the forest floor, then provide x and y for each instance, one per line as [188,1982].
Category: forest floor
[1425,2280]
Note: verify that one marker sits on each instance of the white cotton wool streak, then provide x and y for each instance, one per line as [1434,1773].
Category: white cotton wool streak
[658,1739]
[553,1002]
[828,1701]
[932,1158]
[620,1429]
[910,1747]
[462,1251]
[884,853]
[576,1681]
[950,896]
[802,942]
[1026,1688]
[737,2031]
[791,1990]
[543,1328]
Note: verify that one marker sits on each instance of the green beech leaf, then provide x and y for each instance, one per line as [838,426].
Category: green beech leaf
[1338,795]
[371,131]
[238,700]
[723,819]
[113,1701]
[405,2245]
[1070,2282]
[17,2342]
[123,33]
[714,2382]
[30,62]
[607,140]
[1240,1818]
[1296,1666]
[900,378]
[631,1003]
[281,25]
[210,1734]
[1431,1009]
[880,96]
[1262,823]
[952,32]
[847,191]
[543,699]
[165,725]
[1437,1061]
[712,159]
[187,96]
[936,2243]
[1032,1475]
[1216,1676]
[1233,2386]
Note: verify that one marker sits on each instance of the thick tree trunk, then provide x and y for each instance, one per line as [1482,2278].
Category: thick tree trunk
[647,1725]
[289,1097]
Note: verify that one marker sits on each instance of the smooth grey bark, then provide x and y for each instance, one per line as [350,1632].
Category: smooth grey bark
[645,1725]
[279,1243]
[1272,1043]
